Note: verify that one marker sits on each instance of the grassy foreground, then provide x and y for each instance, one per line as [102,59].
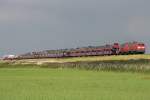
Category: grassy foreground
[83,78]
[72,84]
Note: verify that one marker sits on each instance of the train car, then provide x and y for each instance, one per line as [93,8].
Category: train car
[94,51]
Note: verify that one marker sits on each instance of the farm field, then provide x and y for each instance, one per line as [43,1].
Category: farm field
[72,84]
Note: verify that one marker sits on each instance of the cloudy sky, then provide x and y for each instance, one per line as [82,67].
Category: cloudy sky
[32,25]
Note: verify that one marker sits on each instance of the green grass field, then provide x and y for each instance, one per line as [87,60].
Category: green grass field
[124,77]
[72,84]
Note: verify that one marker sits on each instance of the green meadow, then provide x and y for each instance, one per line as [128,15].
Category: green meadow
[72,84]
[124,77]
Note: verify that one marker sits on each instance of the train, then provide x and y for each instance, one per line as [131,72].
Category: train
[108,49]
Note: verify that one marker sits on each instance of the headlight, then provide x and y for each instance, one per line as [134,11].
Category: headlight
[141,47]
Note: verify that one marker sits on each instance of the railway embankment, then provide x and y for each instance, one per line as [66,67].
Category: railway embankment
[133,63]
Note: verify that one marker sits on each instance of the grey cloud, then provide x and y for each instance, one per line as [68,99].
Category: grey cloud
[28,25]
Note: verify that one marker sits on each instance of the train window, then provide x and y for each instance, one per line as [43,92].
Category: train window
[141,44]
[116,43]
[82,51]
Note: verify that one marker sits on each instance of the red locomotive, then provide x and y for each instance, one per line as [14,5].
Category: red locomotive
[114,49]
[132,48]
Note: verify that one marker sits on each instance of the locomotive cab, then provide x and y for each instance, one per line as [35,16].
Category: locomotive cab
[141,48]
[116,48]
